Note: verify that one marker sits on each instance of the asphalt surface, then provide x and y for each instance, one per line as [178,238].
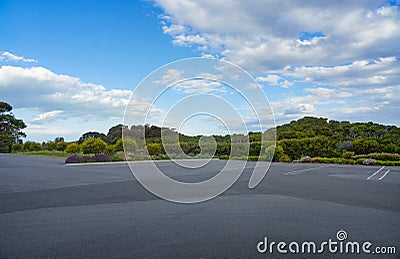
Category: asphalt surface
[49,209]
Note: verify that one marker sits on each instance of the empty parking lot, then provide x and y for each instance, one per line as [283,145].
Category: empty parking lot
[49,209]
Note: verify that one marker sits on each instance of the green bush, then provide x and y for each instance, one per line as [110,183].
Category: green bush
[93,146]
[110,150]
[17,148]
[284,158]
[73,148]
[348,154]
[387,163]
[61,146]
[381,156]
[32,146]
[116,159]
[130,145]
[154,149]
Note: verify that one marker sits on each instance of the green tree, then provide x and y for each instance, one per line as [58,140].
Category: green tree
[61,146]
[110,150]
[93,146]
[73,148]
[51,145]
[129,145]
[32,146]
[17,147]
[154,149]
[364,146]
[10,128]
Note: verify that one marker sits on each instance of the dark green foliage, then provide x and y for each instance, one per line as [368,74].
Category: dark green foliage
[10,128]
[115,133]
[89,135]
[31,146]
[318,137]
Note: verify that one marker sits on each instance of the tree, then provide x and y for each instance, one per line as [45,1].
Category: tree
[364,146]
[115,133]
[73,148]
[51,145]
[94,134]
[154,149]
[130,145]
[10,128]
[31,146]
[93,146]
[59,139]
[61,146]
[110,150]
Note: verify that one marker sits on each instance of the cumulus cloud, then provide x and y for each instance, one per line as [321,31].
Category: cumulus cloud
[343,50]
[267,35]
[61,96]
[7,56]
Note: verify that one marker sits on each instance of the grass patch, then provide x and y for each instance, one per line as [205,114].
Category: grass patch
[47,153]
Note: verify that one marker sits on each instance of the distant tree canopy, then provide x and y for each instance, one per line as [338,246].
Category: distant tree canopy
[93,134]
[319,137]
[115,133]
[10,128]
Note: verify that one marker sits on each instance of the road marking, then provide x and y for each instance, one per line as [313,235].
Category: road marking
[380,178]
[372,175]
[302,170]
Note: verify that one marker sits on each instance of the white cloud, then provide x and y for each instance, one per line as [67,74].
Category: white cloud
[197,86]
[172,76]
[47,116]
[275,80]
[266,36]
[7,56]
[58,96]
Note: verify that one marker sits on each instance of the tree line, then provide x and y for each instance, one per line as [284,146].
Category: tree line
[308,136]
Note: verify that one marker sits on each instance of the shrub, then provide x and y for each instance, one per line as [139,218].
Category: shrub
[154,149]
[130,145]
[284,158]
[74,159]
[101,157]
[61,146]
[348,154]
[73,148]
[381,156]
[32,146]
[93,146]
[51,145]
[17,148]
[110,150]
[116,159]
[387,163]
[252,158]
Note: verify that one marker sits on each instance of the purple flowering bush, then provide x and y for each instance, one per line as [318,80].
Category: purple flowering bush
[74,159]
[86,159]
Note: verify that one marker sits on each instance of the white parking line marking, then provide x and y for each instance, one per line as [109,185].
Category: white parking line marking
[302,170]
[380,178]
[372,175]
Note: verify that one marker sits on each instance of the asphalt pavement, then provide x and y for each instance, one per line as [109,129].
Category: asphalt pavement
[49,209]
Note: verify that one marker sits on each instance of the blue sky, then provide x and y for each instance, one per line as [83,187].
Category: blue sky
[68,67]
